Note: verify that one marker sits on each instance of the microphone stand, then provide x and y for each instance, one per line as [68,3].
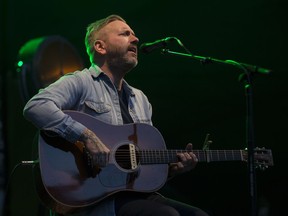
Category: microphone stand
[246,77]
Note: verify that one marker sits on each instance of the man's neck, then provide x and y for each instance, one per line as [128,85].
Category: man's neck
[115,76]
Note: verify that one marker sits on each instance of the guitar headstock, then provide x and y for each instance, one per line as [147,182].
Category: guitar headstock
[262,158]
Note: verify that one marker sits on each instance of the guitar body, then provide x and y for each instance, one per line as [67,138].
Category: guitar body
[67,179]
[72,182]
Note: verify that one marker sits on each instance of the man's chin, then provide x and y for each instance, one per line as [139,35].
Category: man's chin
[131,65]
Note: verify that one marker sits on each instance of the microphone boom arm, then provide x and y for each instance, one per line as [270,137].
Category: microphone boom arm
[206,60]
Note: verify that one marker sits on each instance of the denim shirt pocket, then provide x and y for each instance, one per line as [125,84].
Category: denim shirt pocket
[98,107]
[100,110]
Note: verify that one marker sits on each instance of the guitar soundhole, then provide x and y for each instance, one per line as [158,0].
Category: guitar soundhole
[123,157]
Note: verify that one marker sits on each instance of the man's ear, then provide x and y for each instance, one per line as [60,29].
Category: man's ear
[99,47]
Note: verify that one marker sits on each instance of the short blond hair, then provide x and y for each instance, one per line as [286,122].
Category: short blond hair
[94,28]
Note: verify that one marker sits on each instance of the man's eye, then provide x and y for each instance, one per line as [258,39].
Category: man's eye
[126,33]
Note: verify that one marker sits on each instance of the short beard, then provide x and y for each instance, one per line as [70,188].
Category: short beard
[122,64]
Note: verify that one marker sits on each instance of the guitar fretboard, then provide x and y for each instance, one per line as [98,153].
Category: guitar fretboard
[170,156]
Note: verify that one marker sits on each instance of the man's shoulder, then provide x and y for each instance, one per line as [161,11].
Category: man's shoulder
[83,73]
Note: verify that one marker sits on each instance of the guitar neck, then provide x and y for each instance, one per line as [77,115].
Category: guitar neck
[170,156]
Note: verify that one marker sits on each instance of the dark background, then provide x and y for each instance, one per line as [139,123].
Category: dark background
[189,99]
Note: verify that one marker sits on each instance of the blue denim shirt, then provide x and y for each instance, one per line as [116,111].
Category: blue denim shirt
[90,91]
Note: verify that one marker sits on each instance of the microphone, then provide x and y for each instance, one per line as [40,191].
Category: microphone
[158,44]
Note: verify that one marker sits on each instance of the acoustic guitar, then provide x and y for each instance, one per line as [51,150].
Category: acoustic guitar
[67,179]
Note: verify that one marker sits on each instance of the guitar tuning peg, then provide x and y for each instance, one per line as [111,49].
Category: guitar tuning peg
[207,142]
[262,167]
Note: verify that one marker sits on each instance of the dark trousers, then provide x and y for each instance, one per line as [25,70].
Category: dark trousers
[154,204]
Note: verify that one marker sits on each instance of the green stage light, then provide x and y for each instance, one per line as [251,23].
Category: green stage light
[20,63]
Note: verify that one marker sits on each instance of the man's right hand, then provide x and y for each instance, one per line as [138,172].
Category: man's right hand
[99,152]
